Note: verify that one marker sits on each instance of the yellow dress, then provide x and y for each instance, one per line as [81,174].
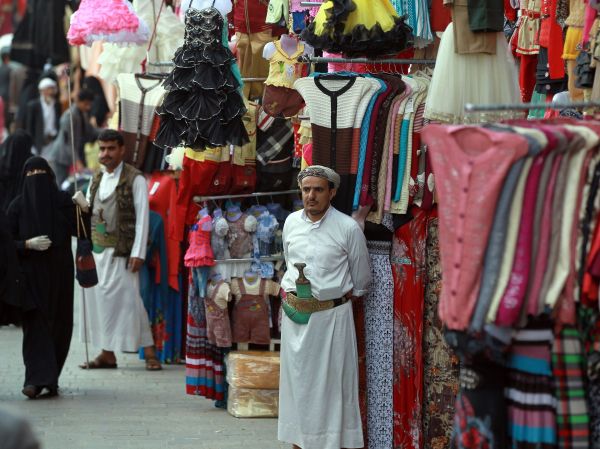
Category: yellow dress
[367,28]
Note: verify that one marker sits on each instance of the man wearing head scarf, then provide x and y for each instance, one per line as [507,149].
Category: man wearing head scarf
[15,150]
[42,116]
[318,395]
[42,220]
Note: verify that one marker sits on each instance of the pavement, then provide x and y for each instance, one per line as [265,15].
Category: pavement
[126,408]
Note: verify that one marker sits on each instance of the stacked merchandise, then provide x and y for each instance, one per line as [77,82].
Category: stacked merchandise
[253,378]
[518,239]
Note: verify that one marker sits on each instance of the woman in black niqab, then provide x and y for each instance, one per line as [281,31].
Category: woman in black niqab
[15,150]
[43,210]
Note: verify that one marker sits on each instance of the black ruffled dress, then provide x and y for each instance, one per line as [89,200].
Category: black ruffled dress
[359,28]
[203,107]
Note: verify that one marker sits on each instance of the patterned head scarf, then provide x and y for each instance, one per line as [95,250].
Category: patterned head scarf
[320,172]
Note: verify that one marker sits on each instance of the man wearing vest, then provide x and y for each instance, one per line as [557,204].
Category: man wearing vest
[118,202]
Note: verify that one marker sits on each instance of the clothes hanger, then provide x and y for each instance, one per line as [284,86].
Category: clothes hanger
[333,76]
[151,76]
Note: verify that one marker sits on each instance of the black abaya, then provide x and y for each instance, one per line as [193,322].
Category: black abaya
[14,152]
[40,36]
[48,275]
[12,299]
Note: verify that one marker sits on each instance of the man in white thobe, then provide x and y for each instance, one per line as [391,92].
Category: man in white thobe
[116,317]
[318,393]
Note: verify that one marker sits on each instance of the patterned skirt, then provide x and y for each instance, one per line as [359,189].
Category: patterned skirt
[379,340]
[204,362]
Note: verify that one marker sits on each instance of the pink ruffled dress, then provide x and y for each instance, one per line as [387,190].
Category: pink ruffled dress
[112,21]
[200,253]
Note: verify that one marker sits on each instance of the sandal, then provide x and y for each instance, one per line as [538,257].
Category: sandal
[153,364]
[98,364]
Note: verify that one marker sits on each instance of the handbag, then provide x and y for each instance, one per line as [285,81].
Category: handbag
[584,73]
[85,265]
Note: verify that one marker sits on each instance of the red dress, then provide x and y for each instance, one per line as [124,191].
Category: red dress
[408,268]
[162,196]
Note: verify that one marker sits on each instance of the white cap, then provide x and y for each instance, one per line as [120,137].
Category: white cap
[45,83]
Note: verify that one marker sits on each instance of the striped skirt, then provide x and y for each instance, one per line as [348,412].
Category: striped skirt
[530,392]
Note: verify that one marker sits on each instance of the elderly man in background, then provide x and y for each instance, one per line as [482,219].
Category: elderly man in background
[318,396]
[42,116]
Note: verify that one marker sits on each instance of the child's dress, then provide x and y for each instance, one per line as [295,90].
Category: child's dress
[108,21]
[200,253]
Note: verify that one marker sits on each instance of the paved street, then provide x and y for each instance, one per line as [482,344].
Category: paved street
[124,408]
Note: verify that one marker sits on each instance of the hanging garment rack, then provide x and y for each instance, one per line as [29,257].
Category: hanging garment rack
[201,199]
[322,60]
[170,64]
[161,64]
[311,3]
[470,107]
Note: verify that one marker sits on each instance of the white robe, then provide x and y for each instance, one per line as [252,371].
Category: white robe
[318,388]
[116,318]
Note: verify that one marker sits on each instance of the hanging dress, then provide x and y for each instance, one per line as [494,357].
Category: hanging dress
[108,21]
[168,37]
[408,268]
[203,107]
[358,28]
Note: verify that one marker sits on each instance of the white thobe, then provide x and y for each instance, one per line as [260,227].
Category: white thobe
[49,114]
[116,317]
[318,393]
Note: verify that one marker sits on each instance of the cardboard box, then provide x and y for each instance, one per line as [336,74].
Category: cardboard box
[258,370]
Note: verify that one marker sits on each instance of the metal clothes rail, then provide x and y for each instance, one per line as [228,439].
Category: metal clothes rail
[249,259]
[322,60]
[311,3]
[470,107]
[201,199]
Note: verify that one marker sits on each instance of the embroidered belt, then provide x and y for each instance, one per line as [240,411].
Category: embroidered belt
[103,240]
[312,305]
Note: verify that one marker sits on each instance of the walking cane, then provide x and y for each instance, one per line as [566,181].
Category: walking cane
[85,331]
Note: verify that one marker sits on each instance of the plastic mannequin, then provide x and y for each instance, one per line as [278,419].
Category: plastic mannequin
[224,6]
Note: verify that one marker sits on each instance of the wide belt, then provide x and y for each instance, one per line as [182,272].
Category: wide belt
[101,240]
[312,305]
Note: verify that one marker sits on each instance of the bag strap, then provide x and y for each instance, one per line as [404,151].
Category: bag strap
[80,224]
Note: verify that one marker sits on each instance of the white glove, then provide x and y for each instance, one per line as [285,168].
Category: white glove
[40,243]
[79,200]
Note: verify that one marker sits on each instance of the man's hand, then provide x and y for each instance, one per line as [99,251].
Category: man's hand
[134,264]
[350,297]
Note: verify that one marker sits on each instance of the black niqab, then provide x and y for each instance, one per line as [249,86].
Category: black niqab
[15,150]
[41,204]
